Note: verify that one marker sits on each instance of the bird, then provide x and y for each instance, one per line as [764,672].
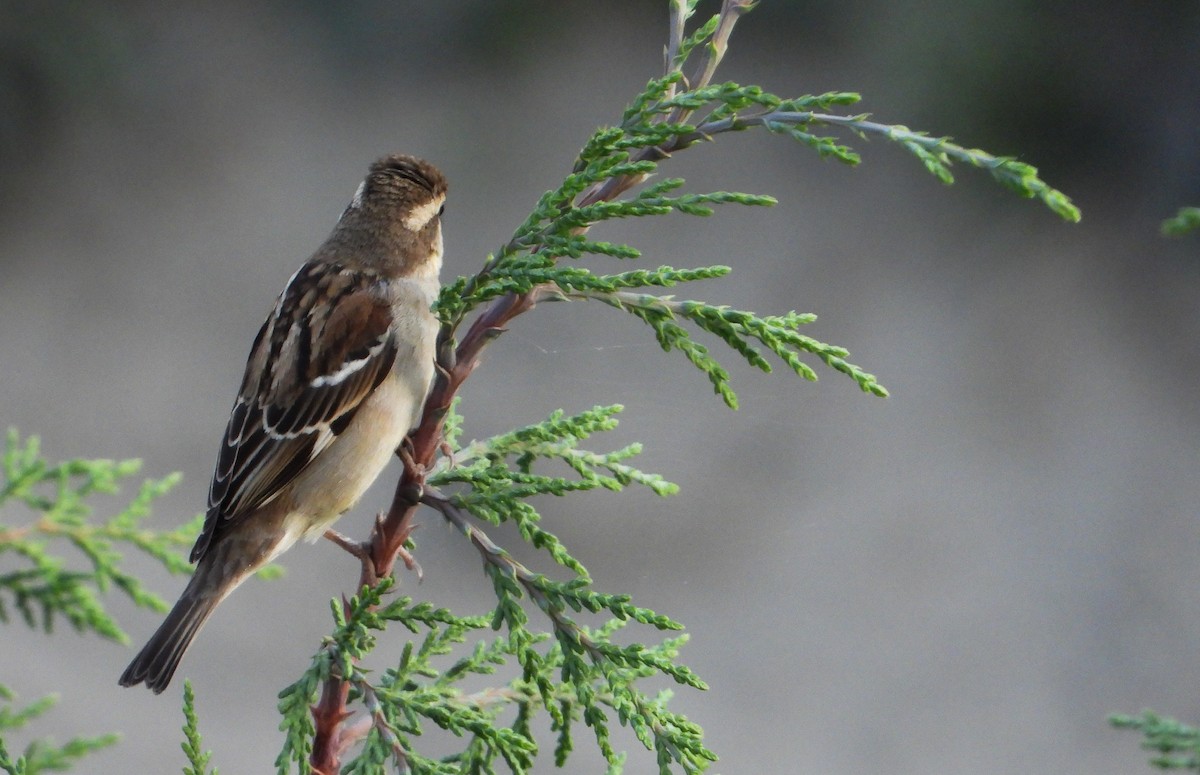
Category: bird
[335,380]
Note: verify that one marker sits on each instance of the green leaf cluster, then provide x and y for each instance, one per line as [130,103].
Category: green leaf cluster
[41,755]
[575,673]
[193,747]
[738,329]
[1185,221]
[421,692]
[531,262]
[44,508]
[939,153]
[669,115]
[625,158]
[499,476]
[400,701]
[1175,745]
[584,675]
[56,497]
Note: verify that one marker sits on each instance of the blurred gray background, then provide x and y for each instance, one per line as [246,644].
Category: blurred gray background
[967,577]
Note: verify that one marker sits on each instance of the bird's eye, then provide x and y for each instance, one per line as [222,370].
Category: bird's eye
[441,210]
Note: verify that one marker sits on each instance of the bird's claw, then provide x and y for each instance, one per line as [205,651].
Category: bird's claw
[411,563]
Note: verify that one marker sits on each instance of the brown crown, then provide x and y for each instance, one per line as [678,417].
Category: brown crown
[400,172]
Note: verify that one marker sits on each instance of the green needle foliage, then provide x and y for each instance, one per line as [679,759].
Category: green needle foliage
[574,673]
[1185,221]
[193,747]
[45,588]
[41,755]
[1175,746]
[44,510]
[669,116]
[563,647]
[499,477]
[494,723]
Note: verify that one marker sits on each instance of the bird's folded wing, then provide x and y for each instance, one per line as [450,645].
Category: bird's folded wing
[327,345]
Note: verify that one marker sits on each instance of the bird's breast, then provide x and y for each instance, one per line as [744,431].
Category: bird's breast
[337,479]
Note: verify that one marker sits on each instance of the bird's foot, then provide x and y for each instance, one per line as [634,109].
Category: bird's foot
[411,563]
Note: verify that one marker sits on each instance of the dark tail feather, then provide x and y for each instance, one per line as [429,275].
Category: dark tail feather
[156,662]
[225,564]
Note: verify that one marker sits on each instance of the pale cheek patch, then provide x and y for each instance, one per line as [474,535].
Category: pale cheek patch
[416,220]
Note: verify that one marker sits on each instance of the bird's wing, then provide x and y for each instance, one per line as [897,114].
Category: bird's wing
[328,343]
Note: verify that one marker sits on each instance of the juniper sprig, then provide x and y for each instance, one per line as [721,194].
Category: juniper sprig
[556,629]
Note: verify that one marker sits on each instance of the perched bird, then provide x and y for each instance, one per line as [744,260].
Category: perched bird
[335,380]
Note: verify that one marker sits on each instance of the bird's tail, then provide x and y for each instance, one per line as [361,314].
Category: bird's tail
[156,662]
[225,565]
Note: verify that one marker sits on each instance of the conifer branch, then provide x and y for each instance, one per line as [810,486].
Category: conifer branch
[51,587]
[193,746]
[545,260]
[1175,745]
[41,755]
[44,509]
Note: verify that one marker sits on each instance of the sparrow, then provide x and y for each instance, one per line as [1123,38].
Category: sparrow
[336,378]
